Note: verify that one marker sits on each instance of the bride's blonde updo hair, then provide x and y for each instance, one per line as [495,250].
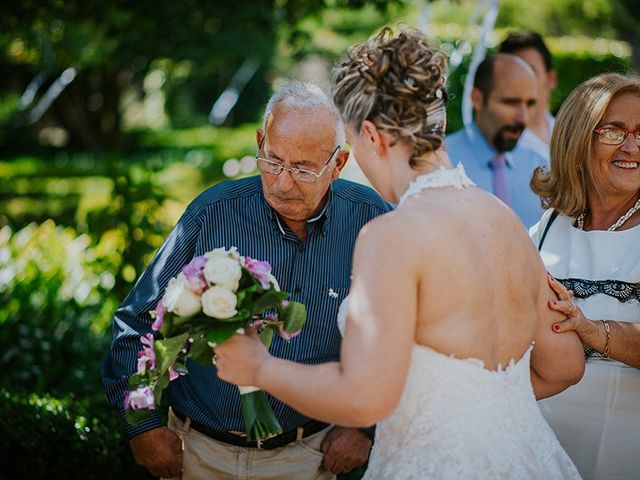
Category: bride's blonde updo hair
[398,83]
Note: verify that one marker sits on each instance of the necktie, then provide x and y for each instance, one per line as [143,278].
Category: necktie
[500,185]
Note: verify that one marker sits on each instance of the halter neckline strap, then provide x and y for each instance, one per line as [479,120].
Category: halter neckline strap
[439,178]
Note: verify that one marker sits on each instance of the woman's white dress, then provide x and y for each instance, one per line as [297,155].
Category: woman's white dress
[598,420]
[458,420]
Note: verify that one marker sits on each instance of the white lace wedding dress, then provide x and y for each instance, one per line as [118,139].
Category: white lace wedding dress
[458,420]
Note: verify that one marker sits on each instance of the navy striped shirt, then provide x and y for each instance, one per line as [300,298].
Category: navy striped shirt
[236,214]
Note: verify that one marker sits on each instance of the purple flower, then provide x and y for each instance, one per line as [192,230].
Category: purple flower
[146,356]
[259,269]
[158,315]
[195,276]
[141,398]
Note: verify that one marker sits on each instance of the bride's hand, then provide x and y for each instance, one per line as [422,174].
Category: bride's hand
[239,358]
[576,320]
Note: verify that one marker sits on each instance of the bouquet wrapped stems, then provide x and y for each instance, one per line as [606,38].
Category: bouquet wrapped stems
[259,421]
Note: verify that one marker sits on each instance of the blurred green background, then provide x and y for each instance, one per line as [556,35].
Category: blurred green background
[114,115]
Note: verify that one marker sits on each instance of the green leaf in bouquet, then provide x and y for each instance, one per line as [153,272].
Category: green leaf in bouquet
[200,351]
[134,417]
[245,295]
[138,379]
[180,367]
[178,321]
[294,316]
[167,325]
[267,300]
[167,351]
[163,382]
[266,336]
[159,389]
[221,331]
[243,315]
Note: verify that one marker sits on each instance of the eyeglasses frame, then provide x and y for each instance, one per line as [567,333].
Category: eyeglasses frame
[636,134]
[293,170]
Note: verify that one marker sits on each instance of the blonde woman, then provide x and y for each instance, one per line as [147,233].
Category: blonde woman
[592,246]
[447,300]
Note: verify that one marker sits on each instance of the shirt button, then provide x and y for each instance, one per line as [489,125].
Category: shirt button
[297,290]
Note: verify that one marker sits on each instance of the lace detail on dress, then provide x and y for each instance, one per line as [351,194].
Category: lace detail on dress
[456,419]
[439,178]
[623,291]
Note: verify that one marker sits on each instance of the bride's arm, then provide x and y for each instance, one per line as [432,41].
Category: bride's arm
[557,361]
[365,386]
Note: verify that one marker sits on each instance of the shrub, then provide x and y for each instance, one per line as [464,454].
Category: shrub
[56,309]
[42,437]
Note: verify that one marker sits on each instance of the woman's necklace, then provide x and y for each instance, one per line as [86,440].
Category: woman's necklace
[615,226]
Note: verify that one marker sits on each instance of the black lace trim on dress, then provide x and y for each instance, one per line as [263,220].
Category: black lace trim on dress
[622,291]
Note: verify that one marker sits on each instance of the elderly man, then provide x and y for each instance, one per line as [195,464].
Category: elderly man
[531,48]
[503,97]
[303,220]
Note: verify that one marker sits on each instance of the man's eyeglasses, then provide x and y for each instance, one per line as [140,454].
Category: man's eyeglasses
[298,174]
[616,135]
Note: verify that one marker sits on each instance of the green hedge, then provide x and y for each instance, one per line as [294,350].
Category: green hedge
[42,437]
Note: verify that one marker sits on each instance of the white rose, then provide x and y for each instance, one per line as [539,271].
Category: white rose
[222,270]
[179,299]
[219,302]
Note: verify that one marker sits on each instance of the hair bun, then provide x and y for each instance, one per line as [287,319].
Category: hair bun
[398,83]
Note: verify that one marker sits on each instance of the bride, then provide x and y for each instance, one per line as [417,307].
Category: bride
[448,337]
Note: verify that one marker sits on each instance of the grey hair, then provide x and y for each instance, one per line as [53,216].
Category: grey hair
[304,96]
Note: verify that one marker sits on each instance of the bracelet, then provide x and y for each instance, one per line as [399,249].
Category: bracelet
[607,328]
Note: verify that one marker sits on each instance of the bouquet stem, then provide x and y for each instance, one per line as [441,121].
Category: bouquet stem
[260,422]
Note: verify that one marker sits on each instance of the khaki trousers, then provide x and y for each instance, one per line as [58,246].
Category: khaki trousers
[206,458]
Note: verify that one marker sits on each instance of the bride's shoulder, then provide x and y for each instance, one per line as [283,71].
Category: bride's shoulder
[398,230]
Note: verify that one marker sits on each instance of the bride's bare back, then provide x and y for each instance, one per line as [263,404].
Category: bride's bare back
[483,289]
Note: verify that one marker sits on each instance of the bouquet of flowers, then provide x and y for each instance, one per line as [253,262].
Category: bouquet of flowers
[214,297]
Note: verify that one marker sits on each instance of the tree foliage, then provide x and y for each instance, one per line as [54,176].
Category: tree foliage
[114,45]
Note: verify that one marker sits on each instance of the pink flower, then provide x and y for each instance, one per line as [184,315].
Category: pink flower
[141,398]
[194,271]
[158,315]
[259,269]
[146,356]
[173,374]
[286,335]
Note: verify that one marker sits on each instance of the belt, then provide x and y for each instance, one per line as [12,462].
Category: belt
[309,428]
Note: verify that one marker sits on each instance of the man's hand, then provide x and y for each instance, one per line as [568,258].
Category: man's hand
[159,451]
[345,449]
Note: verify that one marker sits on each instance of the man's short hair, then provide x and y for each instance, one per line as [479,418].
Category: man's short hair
[304,96]
[523,40]
[483,80]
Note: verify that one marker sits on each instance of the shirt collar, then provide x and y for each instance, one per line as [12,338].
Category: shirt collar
[319,220]
[481,146]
